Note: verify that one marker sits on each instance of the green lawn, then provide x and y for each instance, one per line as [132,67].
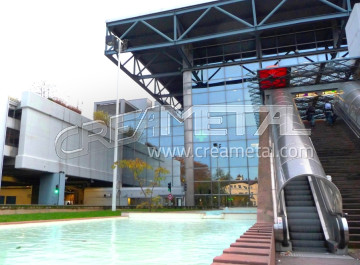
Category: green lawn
[57,215]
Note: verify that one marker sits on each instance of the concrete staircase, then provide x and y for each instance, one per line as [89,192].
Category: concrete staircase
[339,152]
[255,246]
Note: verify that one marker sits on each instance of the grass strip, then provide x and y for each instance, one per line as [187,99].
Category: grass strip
[56,215]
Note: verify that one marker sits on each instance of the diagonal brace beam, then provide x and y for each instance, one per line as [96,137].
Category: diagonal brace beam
[233,16]
[157,31]
[272,12]
[194,24]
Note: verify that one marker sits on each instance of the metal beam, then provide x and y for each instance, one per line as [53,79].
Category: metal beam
[333,5]
[157,31]
[237,32]
[128,30]
[194,24]
[272,12]
[159,75]
[233,16]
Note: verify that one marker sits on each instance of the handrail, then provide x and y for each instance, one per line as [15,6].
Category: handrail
[347,106]
[289,166]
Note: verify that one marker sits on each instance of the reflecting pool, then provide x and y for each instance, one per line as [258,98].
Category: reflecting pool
[119,241]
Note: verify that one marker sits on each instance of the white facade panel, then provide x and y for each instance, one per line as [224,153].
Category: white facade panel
[352,30]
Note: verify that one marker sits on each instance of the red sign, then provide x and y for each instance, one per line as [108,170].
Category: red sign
[170,197]
[273,78]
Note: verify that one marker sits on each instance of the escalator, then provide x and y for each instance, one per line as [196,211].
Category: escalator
[306,233]
[308,206]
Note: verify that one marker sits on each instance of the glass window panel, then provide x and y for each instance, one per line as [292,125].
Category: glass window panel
[253,173]
[178,130]
[165,141]
[234,135]
[201,160]
[240,188]
[232,71]
[153,141]
[216,73]
[250,119]
[250,132]
[201,174]
[239,173]
[200,99]
[178,140]
[217,97]
[235,95]
[253,160]
[238,161]
[247,94]
[199,90]
[215,138]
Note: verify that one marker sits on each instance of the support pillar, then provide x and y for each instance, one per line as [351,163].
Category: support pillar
[188,138]
[47,194]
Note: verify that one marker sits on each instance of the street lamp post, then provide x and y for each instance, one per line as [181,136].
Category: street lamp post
[218,146]
[116,133]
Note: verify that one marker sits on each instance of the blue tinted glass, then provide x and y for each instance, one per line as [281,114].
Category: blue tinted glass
[239,173]
[238,161]
[217,97]
[165,141]
[253,160]
[200,99]
[235,95]
[215,74]
[233,134]
[216,138]
[250,132]
[250,119]
[178,140]
[199,90]
[253,173]
[178,130]
[221,162]
[232,71]
[153,141]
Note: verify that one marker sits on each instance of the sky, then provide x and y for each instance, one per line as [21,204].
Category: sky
[60,45]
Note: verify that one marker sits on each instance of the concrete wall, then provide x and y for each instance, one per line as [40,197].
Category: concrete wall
[42,120]
[22,194]
[4,104]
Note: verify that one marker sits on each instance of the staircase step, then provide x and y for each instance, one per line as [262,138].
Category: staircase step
[354,237]
[242,259]
[304,222]
[253,251]
[308,249]
[304,209]
[299,203]
[306,236]
[250,245]
[298,197]
[298,192]
[305,228]
[301,215]
[308,243]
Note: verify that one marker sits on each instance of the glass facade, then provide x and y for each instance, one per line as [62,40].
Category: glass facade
[225,163]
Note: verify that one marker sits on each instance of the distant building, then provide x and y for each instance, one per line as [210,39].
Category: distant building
[52,155]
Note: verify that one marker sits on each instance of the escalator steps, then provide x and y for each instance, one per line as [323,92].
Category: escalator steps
[305,228]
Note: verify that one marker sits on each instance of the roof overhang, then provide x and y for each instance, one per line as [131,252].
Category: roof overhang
[233,32]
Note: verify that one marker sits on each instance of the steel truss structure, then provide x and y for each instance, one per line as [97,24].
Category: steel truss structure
[163,45]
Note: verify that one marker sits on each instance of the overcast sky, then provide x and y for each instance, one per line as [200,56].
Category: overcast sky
[61,43]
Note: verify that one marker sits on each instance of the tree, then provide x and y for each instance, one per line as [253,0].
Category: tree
[100,115]
[137,166]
